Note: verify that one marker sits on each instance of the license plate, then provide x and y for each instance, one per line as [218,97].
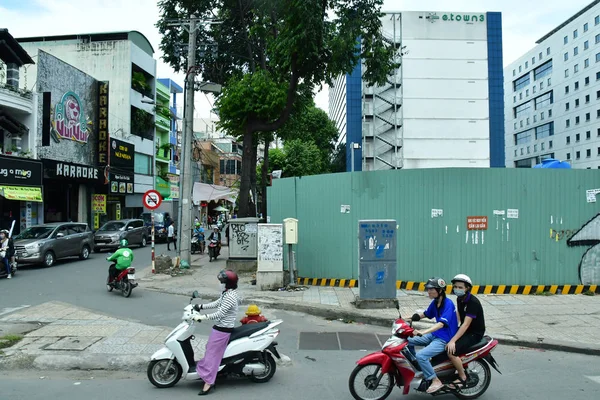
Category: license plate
[131,276]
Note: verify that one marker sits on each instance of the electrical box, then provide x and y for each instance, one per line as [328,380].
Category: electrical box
[290,229]
[377,259]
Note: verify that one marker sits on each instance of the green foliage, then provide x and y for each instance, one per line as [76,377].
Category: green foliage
[312,125]
[338,159]
[302,158]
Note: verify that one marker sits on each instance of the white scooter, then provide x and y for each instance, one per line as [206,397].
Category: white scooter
[249,352]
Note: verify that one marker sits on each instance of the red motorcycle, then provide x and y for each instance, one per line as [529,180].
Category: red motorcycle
[125,282]
[376,373]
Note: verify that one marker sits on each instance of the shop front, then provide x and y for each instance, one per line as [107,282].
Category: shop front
[21,193]
[121,180]
[69,188]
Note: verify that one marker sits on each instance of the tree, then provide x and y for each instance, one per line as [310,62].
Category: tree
[271,54]
[301,159]
[313,125]
[338,158]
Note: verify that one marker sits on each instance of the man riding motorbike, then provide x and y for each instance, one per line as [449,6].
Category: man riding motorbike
[122,258]
[472,325]
[435,338]
[199,232]
[216,235]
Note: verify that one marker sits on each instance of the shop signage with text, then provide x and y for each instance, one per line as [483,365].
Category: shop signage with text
[15,171]
[477,223]
[22,193]
[69,120]
[61,169]
[121,154]
[103,135]
[464,17]
[121,183]
[99,203]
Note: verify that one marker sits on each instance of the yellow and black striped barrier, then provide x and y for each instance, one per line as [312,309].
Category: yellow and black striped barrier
[477,289]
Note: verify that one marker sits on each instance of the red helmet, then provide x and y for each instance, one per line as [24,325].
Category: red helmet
[229,278]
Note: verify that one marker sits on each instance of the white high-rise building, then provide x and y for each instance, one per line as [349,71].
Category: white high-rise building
[443,107]
[552,96]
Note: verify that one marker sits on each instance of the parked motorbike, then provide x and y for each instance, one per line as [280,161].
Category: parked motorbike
[125,281]
[198,244]
[249,353]
[375,375]
[213,250]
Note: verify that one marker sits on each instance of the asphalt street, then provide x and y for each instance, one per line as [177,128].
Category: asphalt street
[319,374]
[526,374]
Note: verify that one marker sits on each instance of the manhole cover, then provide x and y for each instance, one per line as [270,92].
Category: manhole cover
[73,343]
[358,341]
[318,341]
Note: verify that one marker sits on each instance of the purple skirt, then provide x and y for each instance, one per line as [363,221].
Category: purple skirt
[208,367]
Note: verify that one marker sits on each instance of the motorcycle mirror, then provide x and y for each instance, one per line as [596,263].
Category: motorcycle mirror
[195,295]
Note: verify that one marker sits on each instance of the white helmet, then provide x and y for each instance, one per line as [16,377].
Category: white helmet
[462,278]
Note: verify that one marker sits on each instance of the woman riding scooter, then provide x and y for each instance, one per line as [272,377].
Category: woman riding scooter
[225,317]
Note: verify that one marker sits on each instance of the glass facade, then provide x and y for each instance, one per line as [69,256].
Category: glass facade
[354,118]
[496,89]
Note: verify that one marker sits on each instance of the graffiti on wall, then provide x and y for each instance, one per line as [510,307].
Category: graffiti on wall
[69,121]
[589,266]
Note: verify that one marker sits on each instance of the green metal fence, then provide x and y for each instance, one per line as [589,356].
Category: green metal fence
[531,215]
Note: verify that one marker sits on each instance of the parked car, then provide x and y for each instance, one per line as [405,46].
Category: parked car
[44,244]
[111,233]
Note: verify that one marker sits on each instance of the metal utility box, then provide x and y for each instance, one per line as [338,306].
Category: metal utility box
[242,238]
[290,228]
[377,259]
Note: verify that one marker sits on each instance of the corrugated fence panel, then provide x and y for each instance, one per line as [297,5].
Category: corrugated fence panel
[531,213]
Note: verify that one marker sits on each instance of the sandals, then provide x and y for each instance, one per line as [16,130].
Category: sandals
[458,383]
[434,388]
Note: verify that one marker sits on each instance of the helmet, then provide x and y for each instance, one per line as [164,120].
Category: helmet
[124,243]
[229,278]
[5,231]
[252,310]
[462,278]
[435,283]
[197,224]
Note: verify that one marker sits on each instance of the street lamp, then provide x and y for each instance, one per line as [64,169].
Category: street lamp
[353,146]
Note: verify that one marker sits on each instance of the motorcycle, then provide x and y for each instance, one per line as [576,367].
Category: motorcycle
[395,364]
[125,281]
[213,250]
[249,352]
[13,269]
[198,243]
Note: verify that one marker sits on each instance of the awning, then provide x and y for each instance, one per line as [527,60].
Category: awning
[22,193]
[208,192]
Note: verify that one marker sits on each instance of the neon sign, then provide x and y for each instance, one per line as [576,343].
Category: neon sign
[69,121]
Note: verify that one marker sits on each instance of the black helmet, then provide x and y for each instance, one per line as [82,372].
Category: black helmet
[229,278]
[435,283]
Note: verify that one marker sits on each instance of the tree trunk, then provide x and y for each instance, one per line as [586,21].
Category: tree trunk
[252,211]
[265,171]
[245,184]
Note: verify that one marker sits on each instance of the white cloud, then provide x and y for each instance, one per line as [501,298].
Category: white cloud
[523,23]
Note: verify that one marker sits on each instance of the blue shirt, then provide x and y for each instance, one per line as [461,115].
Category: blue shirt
[446,315]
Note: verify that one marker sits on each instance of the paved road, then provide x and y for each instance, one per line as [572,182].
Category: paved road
[323,376]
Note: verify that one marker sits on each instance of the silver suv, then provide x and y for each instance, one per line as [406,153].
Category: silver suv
[111,233]
[44,244]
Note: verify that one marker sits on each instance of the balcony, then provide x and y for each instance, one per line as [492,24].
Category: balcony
[16,99]
[162,122]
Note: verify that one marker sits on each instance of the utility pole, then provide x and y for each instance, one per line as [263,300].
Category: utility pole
[184,217]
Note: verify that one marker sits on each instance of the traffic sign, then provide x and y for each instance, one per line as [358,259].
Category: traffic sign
[152,199]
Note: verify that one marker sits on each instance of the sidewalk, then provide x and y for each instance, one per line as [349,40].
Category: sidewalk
[559,322]
[60,336]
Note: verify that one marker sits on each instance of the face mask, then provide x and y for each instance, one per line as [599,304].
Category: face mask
[222,287]
[459,292]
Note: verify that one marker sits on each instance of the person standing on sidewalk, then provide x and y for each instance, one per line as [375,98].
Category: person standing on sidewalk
[472,325]
[435,338]
[5,251]
[227,308]
[171,237]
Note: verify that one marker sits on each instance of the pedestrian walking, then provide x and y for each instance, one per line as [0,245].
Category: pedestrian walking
[171,237]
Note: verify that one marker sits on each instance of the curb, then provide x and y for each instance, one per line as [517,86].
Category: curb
[350,315]
[63,362]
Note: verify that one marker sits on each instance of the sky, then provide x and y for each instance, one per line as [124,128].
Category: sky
[524,22]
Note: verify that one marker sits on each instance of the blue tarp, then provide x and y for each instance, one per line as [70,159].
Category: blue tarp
[553,163]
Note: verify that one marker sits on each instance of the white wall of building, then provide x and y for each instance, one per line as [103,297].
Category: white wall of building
[563,144]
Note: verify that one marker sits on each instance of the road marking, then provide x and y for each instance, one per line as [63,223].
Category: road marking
[9,310]
[594,378]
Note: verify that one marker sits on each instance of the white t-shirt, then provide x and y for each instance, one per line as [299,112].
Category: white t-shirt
[170,231]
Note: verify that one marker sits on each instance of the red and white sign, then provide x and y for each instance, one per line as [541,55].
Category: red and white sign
[152,199]
[477,223]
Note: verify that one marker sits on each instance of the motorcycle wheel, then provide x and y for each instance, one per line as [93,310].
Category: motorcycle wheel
[159,378]
[363,378]
[270,368]
[109,287]
[480,371]
[126,288]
